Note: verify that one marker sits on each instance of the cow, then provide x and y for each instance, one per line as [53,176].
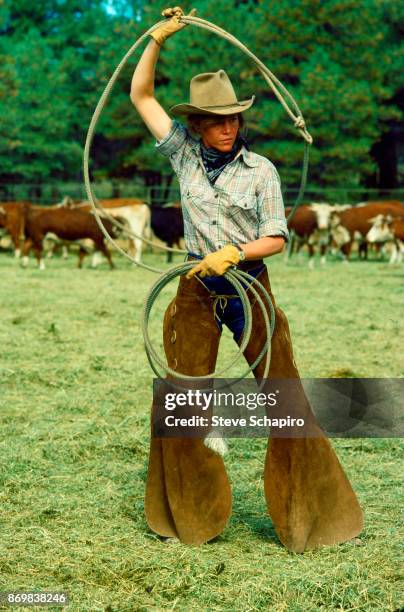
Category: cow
[310,225]
[130,211]
[68,225]
[388,229]
[12,219]
[357,222]
[339,234]
[136,214]
[168,225]
[166,221]
[5,240]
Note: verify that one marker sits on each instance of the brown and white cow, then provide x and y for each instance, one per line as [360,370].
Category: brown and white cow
[67,224]
[166,221]
[388,229]
[357,222]
[339,233]
[131,211]
[310,225]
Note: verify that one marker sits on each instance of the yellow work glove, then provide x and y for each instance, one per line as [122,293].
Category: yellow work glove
[172,26]
[216,264]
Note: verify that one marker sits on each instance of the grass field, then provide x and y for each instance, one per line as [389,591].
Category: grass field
[75,396]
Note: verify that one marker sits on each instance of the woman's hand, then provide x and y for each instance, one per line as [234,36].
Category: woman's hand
[217,263]
[172,26]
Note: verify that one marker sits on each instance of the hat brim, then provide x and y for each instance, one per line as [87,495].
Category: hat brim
[230,109]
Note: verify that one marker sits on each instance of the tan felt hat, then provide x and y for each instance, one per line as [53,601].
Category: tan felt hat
[212,93]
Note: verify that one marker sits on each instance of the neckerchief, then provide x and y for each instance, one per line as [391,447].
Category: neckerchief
[215,161]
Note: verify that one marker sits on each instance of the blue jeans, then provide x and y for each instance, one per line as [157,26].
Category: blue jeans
[228,311]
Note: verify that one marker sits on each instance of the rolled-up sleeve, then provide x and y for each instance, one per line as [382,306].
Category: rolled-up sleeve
[174,144]
[271,210]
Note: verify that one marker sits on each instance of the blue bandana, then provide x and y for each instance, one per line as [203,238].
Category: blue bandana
[215,161]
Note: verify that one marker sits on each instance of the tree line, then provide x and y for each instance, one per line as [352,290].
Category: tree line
[340,59]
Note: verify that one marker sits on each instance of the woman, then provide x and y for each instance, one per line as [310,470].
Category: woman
[233,215]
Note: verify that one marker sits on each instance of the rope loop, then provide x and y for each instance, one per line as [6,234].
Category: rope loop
[236,278]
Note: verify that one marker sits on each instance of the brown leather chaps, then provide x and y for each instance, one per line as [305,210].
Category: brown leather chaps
[188,495]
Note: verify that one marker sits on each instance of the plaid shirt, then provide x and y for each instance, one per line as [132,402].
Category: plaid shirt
[244,204]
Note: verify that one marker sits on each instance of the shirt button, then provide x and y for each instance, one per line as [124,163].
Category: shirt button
[216,195]
[213,222]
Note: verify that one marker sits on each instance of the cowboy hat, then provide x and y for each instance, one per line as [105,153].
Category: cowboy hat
[212,93]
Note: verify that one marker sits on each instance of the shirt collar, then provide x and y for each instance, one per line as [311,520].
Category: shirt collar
[248,157]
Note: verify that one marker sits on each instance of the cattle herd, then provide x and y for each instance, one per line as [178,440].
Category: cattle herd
[73,223]
[317,226]
[337,228]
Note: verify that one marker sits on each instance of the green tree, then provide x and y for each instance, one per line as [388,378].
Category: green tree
[386,150]
[8,91]
[62,56]
[32,129]
[340,59]
[331,55]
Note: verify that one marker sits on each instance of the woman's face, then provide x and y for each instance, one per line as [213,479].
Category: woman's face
[219,132]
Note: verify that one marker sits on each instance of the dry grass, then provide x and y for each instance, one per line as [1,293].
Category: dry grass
[75,395]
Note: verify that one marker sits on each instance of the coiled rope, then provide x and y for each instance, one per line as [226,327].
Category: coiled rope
[233,276]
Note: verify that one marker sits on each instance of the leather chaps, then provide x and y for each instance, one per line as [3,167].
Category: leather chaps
[188,495]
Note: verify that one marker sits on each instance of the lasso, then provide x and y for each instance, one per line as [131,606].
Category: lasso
[235,277]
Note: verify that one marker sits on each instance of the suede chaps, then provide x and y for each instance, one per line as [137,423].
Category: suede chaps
[188,495]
